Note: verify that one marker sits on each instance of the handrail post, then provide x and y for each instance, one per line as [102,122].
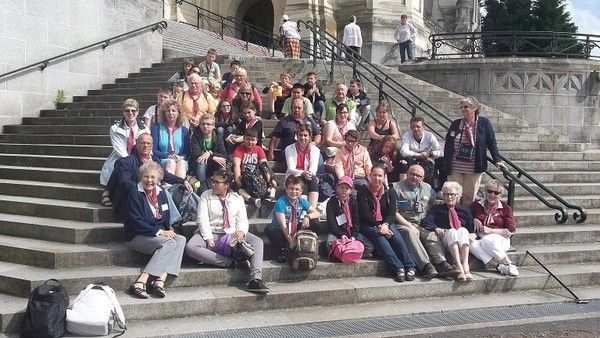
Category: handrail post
[315,44]
[354,72]
[332,63]
[433,47]
[247,38]
[588,49]
[198,18]
[511,193]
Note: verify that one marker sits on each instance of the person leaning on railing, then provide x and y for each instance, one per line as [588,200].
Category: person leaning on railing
[467,140]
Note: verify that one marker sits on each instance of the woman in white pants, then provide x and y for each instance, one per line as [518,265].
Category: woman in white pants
[453,225]
[495,224]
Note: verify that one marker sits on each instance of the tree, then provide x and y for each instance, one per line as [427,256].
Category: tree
[551,15]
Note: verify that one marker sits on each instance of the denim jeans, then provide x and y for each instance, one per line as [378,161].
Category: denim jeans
[393,251]
[406,46]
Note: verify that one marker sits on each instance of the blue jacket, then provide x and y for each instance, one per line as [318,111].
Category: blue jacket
[485,139]
[159,130]
[124,178]
[140,219]
[437,217]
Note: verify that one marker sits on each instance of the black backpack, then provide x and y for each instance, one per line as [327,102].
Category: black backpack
[46,311]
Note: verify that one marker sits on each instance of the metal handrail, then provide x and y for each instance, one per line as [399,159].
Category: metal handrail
[160,25]
[415,104]
[515,43]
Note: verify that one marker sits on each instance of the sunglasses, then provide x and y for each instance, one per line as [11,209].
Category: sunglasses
[493,192]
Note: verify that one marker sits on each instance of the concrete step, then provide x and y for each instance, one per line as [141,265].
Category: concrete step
[535,218]
[563,253]
[81,112]
[57,175]
[575,176]
[60,230]
[69,210]
[566,189]
[59,129]
[74,120]
[532,203]
[67,162]
[545,156]
[99,139]
[61,191]
[556,234]
[56,149]
[555,165]
[221,300]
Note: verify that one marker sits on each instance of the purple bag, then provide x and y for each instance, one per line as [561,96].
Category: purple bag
[222,246]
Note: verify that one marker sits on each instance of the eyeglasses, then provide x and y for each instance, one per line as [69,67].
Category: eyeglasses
[415,175]
[449,194]
[489,191]
[245,93]
[225,106]
[207,124]
[217,181]
[130,110]
[351,140]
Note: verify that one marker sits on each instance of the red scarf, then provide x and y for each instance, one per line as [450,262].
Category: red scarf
[376,201]
[144,160]
[490,210]
[226,224]
[130,141]
[303,157]
[251,123]
[293,218]
[453,218]
[195,104]
[153,200]
[468,131]
[350,163]
[346,208]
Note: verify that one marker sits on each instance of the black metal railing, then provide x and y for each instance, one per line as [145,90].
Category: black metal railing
[160,25]
[514,43]
[393,91]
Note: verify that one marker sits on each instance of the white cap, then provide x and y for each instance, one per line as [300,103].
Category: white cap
[285,18]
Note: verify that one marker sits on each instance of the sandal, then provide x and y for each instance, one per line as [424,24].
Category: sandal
[106,201]
[461,277]
[159,290]
[137,291]
[410,274]
[400,276]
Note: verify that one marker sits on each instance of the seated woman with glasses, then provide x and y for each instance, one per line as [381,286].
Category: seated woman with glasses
[241,88]
[494,225]
[122,136]
[207,151]
[222,219]
[452,223]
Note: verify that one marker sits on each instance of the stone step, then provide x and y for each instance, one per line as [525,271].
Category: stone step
[71,113]
[74,120]
[575,176]
[537,218]
[60,230]
[564,253]
[544,156]
[585,188]
[556,165]
[220,300]
[532,203]
[61,191]
[101,139]
[69,210]
[59,129]
[550,234]
[56,175]
[56,149]
[67,162]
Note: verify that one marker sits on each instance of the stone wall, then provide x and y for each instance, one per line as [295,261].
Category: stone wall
[561,95]
[34,30]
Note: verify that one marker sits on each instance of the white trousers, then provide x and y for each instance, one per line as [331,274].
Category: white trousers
[490,246]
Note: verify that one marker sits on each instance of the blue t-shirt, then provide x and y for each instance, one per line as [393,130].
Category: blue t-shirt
[282,206]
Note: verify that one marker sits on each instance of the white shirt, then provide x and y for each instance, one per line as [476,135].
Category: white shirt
[210,214]
[410,146]
[289,29]
[352,35]
[405,32]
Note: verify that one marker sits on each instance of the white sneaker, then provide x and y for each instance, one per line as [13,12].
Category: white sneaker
[503,269]
[512,270]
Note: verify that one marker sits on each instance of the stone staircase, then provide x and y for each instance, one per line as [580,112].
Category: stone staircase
[51,225]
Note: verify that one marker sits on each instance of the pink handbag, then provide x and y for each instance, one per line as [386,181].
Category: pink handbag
[347,251]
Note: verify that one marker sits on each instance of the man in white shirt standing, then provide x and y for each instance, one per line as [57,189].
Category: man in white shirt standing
[352,37]
[405,34]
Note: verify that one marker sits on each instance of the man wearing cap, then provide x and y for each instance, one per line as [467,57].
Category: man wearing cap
[343,219]
[290,33]
[415,197]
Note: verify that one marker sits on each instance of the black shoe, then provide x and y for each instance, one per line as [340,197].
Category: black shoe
[282,257]
[446,270]
[242,264]
[257,286]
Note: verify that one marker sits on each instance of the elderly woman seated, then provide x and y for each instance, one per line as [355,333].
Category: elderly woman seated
[452,223]
[494,224]
[148,230]
[222,220]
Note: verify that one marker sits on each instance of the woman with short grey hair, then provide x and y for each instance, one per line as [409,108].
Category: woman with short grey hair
[148,230]
[452,223]
[494,224]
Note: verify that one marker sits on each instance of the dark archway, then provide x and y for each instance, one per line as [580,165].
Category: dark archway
[260,14]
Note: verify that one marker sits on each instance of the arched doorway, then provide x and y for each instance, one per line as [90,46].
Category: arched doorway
[257,13]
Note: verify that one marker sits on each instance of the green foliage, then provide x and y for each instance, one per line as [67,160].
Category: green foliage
[528,15]
[60,97]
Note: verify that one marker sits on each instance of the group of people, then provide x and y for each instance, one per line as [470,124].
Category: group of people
[213,130]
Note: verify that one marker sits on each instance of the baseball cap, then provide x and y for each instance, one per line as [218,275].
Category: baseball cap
[285,18]
[346,180]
